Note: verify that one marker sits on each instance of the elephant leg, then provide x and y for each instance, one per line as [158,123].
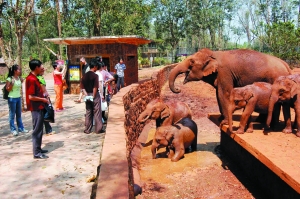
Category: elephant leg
[250,125]
[275,115]
[171,153]
[179,152]
[297,112]
[223,102]
[295,125]
[245,117]
[287,118]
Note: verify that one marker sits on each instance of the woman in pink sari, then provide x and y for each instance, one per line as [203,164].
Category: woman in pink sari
[58,76]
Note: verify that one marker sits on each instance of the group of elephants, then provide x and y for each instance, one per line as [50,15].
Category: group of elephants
[243,79]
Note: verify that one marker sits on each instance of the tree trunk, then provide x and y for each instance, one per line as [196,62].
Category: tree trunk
[97,17]
[58,27]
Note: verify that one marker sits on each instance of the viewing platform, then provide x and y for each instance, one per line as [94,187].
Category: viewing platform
[270,159]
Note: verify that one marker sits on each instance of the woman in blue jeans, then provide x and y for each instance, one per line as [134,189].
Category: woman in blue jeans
[13,86]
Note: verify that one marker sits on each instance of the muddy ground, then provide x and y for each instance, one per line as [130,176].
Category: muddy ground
[215,176]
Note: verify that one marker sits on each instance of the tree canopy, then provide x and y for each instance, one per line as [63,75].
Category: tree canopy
[270,26]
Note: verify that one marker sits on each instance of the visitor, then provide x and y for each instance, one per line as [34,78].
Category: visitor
[48,127]
[90,85]
[35,101]
[13,86]
[85,69]
[120,67]
[58,76]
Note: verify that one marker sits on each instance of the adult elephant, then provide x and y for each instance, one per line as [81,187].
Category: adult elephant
[225,70]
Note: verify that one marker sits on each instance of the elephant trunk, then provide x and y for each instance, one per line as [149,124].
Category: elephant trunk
[273,100]
[143,117]
[180,68]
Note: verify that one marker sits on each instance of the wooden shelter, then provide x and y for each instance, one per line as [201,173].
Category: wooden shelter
[109,47]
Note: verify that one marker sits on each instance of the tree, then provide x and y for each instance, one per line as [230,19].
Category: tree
[169,21]
[17,14]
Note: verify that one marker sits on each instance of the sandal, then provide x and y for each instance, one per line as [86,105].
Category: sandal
[77,101]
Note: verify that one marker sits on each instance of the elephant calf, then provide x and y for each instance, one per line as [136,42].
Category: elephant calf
[165,113]
[254,97]
[286,90]
[176,138]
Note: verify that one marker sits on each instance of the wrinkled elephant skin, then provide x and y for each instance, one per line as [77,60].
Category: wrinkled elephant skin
[176,138]
[286,90]
[225,70]
[254,97]
[165,113]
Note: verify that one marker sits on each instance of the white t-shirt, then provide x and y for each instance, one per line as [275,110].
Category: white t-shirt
[100,79]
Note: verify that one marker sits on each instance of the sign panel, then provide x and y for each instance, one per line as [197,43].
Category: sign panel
[74,72]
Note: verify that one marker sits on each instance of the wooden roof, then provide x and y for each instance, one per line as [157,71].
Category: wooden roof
[127,39]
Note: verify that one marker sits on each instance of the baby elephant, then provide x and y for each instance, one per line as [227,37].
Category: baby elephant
[165,113]
[176,138]
[254,97]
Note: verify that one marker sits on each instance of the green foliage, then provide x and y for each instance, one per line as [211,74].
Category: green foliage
[282,39]
[158,61]
[191,24]
[145,61]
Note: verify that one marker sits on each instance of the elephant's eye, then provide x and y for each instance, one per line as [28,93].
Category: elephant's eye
[281,91]
[236,101]
[158,140]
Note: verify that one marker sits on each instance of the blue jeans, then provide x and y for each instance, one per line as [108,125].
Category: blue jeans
[15,109]
[48,127]
[120,82]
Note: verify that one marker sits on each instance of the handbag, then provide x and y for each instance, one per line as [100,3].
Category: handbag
[104,105]
[5,92]
[49,112]
[65,85]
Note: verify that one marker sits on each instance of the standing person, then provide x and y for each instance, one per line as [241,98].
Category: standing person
[100,79]
[35,101]
[13,86]
[120,67]
[58,85]
[85,69]
[90,84]
[48,127]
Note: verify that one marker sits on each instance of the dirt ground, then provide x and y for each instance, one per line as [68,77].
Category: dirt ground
[215,175]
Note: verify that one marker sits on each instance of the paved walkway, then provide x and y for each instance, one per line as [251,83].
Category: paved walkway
[73,156]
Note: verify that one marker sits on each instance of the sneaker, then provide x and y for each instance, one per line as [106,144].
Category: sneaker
[15,133]
[24,131]
[50,133]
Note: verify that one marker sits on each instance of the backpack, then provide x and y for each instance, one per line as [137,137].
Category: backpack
[5,92]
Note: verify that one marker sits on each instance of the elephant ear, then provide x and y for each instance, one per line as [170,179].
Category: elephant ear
[294,89]
[210,66]
[169,135]
[247,94]
[165,112]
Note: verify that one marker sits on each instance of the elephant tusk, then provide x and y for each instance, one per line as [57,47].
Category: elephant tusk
[145,118]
